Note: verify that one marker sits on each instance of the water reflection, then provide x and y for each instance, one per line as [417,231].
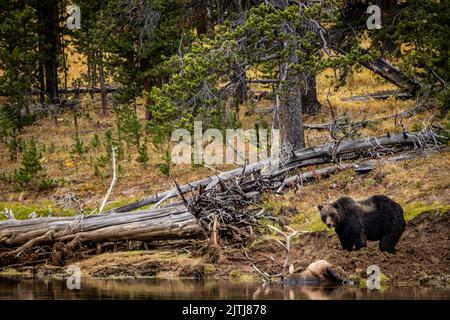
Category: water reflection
[43,288]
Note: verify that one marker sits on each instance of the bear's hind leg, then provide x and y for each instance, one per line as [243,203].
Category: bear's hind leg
[388,243]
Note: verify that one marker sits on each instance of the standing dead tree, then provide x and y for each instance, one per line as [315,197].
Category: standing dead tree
[113,181]
[286,267]
[287,249]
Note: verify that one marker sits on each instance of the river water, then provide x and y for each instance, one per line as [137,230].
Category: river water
[48,289]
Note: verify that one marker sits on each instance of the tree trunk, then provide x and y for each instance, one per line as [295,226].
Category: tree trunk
[89,72]
[41,81]
[102,84]
[148,101]
[290,112]
[241,90]
[48,13]
[93,72]
[310,103]
[203,20]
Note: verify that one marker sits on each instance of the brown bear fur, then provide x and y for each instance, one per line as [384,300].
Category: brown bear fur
[377,218]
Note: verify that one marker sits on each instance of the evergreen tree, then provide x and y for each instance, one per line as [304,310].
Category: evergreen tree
[30,173]
[143,154]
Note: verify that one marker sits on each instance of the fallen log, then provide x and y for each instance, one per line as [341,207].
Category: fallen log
[392,74]
[233,201]
[379,95]
[363,166]
[107,89]
[316,155]
[172,222]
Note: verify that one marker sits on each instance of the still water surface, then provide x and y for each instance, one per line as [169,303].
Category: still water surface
[45,289]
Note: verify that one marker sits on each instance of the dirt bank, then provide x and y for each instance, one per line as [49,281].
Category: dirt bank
[423,253]
[423,257]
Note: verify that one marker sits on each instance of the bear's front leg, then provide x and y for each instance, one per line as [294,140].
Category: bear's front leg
[361,241]
[346,243]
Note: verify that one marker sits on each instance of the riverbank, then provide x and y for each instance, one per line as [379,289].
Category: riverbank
[422,258]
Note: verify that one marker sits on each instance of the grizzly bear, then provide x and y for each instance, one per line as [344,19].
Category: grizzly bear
[377,218]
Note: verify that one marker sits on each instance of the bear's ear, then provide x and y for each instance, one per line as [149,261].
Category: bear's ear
[320,207]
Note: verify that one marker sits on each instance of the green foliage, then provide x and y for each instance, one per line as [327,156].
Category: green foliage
[110,142]
[445,132]
[30,173]
[128,125]
[10,121]
[18,54]
[95,141]
[15,144]
[22,211]
[31,163]
[45,184]
[415,209]
[203,77]
[143,154]
[165,166]
[79,147]
[418,39]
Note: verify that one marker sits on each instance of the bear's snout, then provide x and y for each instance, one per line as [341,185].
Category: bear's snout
[329,222]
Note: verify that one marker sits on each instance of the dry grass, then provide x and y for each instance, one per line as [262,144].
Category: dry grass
[419,185]
[75,173]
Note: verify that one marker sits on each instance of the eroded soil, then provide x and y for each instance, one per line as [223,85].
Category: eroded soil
[423,253]
[423,257]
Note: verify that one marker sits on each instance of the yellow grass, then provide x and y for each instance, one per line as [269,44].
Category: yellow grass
[74,173]
[419,185]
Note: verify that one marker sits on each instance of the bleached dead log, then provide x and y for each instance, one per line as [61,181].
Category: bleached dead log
[173,222]
[379,95]
[347,150]
[178,222]
[113,181]
[363,166]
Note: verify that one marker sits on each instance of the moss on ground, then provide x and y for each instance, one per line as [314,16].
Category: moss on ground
[412,210]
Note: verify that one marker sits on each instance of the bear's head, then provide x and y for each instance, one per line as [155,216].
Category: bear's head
[329,215]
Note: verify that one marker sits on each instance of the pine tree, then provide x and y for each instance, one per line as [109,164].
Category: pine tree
[143,154]
[30,165]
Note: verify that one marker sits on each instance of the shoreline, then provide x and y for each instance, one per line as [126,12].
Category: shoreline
[422,259]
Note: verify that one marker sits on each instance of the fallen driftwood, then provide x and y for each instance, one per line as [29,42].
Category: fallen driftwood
[230,200]
[363,123]
[380,95]
[172,222]
[347,150]
[107,89]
